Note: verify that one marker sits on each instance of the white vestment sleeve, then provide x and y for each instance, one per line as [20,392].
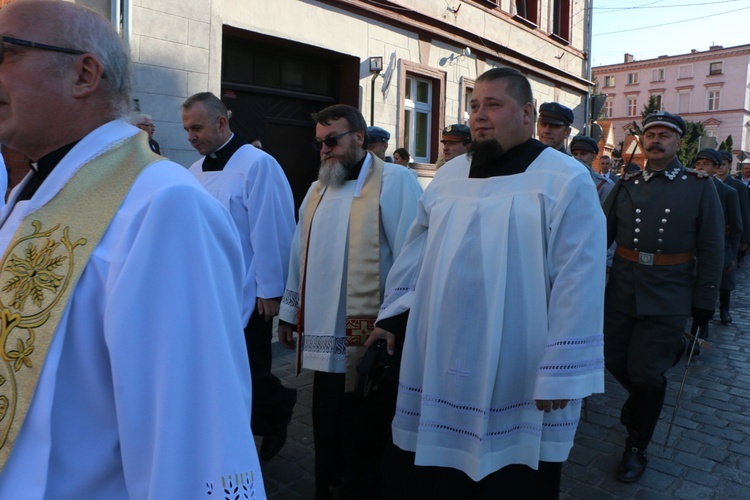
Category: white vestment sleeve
[572,363]
[290,302]
[271,224]
[402,278]
[179,366]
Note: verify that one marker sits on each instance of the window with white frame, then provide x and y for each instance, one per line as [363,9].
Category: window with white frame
[632,78]
[632,103]
[685,71]
[683,102]
[713,98]
[657,75]
[418,117]
[715,68]
[608,108]
[609,81]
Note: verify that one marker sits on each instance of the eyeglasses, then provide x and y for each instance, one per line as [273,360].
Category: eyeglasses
[33,45]
[330,142]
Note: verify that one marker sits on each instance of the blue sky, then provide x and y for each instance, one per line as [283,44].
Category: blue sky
[650,28]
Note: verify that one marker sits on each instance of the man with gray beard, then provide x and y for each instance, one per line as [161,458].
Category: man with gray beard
[352,226]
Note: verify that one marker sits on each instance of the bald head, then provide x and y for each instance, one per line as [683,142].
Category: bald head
[84,78]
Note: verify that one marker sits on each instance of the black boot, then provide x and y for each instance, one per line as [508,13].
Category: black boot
[726,318]
[633,463]
[645,408]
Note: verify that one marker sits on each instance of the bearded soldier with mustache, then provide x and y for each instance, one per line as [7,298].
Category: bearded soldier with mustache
[668,225]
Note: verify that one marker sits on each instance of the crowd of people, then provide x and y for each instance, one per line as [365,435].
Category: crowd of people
[453,333]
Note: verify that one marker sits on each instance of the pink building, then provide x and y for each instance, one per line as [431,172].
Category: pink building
[711,87]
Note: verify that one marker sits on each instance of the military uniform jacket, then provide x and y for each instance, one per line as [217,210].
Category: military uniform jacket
[730,209]
[744,198]
[672,211]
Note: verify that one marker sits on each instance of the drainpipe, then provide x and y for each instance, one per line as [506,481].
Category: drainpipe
[588,21]
[127,21]
[122,10]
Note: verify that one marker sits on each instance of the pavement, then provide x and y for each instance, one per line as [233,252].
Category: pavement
[709,448]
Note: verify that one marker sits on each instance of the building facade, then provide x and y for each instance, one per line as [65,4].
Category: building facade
[710,87]
[408,65]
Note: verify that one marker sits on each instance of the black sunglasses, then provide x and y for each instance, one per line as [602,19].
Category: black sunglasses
[33,45]
[330,141]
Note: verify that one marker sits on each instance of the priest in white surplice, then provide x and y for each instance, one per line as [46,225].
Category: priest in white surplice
[252,186]
[499,293]
[123,372]
[353,223]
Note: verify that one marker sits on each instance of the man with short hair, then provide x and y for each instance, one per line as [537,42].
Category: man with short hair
[377,141]
[585,149]
[743,195]
[495,361]
[745,173]
[605,168]
[125,374]
[145,123]
[667,223]
[456,140]
[352,226]
[253,187]
[553,125]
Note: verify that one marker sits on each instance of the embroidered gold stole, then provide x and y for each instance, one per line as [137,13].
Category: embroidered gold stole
[363,267]
[41,267]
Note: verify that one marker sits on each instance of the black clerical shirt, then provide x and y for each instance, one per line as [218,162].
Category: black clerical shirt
[217,160]
[42,169]
[514,161]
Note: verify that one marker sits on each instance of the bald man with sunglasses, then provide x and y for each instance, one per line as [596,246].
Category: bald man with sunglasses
[352,226]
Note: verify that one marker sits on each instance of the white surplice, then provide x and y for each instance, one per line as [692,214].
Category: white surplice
[325,296]
[145,391]
[253,187]
[504,280]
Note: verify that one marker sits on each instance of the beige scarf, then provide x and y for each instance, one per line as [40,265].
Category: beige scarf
[42,264]
[363,267]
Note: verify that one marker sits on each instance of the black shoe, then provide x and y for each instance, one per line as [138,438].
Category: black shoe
[726,318]
[633,464]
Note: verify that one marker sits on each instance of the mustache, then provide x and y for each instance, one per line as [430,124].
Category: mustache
[656,147]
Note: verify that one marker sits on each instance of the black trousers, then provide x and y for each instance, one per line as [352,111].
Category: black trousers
[406,481]
[638,350]
[350,434]
[270,398]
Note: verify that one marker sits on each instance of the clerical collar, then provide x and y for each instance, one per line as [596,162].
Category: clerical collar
[218,159]
[353,173]
[514,161]
[42,168]
[671,171]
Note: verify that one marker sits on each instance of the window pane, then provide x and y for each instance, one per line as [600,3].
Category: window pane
[423,91]
[292,74]
[408,88]
[421,135]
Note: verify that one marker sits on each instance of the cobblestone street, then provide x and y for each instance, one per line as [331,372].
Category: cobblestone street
[708,454]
